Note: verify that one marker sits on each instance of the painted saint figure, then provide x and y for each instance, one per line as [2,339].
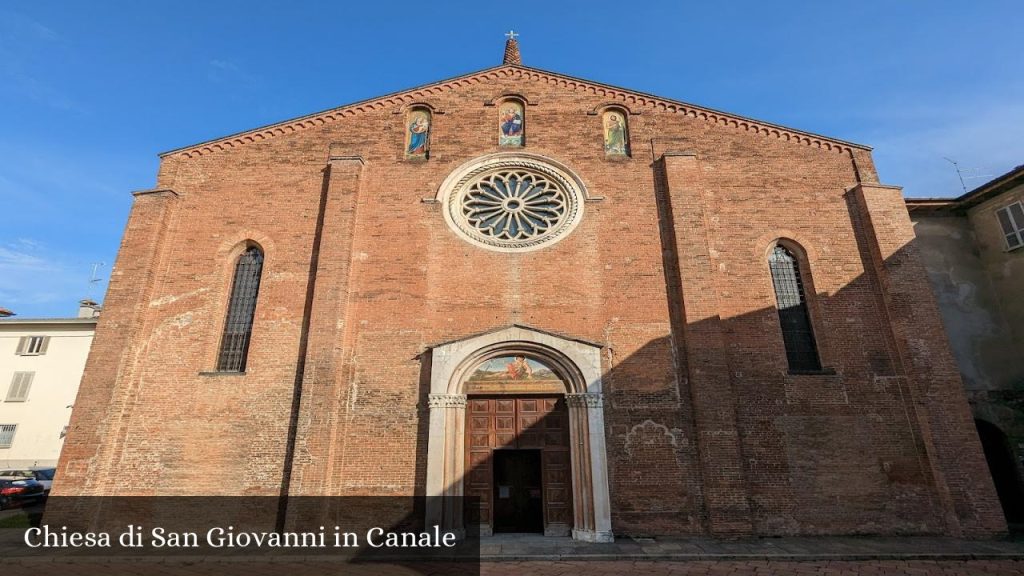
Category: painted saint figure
[519,369]
[510,123]
[614,133]
[419,132]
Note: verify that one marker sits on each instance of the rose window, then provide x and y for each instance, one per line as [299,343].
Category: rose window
[512,203]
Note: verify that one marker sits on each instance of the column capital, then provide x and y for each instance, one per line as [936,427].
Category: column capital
[446,401]
[585,400]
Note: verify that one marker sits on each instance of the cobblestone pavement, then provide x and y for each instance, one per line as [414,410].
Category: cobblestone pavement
[540,568]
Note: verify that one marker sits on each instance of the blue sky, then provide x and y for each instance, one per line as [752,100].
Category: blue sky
[90,92]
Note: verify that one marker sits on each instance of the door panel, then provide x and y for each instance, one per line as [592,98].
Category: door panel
[520,423]
[518,500]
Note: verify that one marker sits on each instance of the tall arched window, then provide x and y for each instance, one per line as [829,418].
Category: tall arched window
[234,344]
[795,319]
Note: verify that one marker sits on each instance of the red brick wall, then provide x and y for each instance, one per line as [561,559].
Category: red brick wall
[707,433]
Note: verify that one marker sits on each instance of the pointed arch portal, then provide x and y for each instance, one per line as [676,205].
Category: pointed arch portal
[577,364]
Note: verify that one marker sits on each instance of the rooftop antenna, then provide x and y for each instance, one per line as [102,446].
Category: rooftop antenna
[958,174]
[93,279]
[975,176]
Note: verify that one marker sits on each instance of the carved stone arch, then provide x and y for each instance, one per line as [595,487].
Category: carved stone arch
[463,183]
[578,363]
[566,370]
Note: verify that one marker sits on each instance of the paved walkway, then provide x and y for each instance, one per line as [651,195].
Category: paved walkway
[510,547]
[542,568]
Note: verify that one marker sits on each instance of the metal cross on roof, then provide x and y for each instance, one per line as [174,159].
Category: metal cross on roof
[511,34]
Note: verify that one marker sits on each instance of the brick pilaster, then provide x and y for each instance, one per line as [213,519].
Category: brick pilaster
[958,466]
[94,434]
[703,341]
[318,439]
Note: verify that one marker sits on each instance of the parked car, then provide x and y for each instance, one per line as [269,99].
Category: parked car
[16,491]
[40,474]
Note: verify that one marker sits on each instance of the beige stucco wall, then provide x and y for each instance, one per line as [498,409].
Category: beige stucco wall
[973,310]
[1005,270]
[41,419]
[979,285]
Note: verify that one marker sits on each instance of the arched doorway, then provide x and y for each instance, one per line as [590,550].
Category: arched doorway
[497,447]
[1002,465]
[517,446]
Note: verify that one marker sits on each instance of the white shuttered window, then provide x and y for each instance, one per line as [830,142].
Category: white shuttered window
[33,345]
[1011,218]
[18,392]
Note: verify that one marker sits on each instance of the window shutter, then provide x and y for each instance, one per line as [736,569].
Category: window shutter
[45,345]
[1011,220]
[22,345]
[1017,211]
[20,385]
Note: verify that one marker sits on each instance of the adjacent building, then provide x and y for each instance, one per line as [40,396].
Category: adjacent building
[41,365]
[973,248]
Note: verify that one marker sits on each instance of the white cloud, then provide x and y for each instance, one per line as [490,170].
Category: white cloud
[34,281]
[227,72]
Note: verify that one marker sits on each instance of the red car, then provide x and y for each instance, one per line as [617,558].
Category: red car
[17,491]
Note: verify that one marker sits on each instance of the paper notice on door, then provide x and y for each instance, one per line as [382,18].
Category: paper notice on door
[504,491]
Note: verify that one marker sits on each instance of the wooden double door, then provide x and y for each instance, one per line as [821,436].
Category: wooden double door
[517,464]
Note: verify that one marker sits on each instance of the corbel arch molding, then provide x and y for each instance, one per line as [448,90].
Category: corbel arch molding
[578,364]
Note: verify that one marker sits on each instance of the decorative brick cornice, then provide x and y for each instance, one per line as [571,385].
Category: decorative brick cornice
[446,401]
[634,100]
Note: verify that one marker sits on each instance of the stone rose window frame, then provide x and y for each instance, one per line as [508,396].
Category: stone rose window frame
[512,202]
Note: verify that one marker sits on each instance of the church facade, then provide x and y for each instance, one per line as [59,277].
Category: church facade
[601,312]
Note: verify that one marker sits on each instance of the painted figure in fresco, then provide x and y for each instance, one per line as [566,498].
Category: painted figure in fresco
[519,369]
[614,133]
[511,122]
[419,129]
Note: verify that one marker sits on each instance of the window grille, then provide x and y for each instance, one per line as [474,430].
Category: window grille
[797,334]
[7,434]
[1011,218]
[18,391]
[234,347]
